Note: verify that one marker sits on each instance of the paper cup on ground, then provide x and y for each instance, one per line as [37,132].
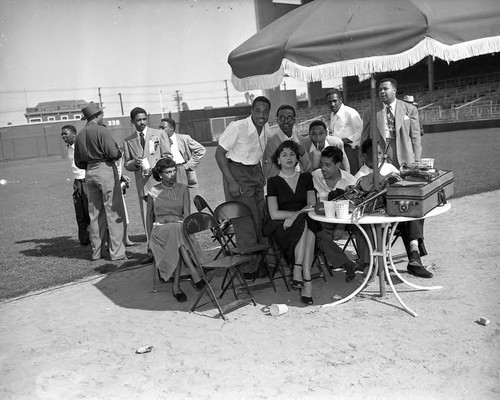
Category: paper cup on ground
[342,209]
[323,196]
[428,162]
[329,209]
[278,309]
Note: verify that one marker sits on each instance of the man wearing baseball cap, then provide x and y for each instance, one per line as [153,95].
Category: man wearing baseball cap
[96,152]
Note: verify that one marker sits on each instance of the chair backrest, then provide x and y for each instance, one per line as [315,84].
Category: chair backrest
[241,218]
[200,204]
[200,229]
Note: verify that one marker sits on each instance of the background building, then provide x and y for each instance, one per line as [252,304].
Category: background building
[51,111]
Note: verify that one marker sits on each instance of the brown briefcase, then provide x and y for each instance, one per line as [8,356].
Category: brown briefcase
[414,198]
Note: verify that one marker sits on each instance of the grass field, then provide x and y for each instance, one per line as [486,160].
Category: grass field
[38,237]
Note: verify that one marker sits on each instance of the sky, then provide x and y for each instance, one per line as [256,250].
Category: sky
[66,49]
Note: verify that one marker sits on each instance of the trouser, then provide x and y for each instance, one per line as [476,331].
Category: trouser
[81,203]
[332,251]
[353,157]
[105,209]
[251,181]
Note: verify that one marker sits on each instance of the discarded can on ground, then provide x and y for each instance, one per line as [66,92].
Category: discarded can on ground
[337,297]
[483,321]
[145,349]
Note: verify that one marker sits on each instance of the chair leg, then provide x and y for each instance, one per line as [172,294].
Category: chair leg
[241,278]
[316,261]
[154,278]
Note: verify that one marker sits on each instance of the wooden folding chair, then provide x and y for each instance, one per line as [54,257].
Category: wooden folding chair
[241,220]
[198,229]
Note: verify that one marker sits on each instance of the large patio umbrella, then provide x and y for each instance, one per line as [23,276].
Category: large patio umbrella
[327,39]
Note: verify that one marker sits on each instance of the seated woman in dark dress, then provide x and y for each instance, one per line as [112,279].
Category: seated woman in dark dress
[290,195]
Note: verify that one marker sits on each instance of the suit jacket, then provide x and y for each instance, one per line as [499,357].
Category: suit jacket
[272,144]
[157,145]
[408,139]
[192,152]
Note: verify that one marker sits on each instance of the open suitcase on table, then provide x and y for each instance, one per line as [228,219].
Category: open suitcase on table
[415,198]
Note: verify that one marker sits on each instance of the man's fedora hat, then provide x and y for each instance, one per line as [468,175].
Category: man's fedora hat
[409,99]
[90,110]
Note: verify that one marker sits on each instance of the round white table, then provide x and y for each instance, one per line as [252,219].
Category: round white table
[382,227]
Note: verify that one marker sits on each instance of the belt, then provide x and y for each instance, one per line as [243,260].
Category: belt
[96,161]
[245,165]
[80,180]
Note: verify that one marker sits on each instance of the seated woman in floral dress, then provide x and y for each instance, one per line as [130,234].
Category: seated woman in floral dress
[290,195]
[168,205]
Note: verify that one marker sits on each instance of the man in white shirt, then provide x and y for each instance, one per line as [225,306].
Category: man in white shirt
[186,152]
[239,156]
[345,124]
[80,199]
[286,120]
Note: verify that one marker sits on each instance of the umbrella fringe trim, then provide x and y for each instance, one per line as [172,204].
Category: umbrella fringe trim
[361,66]
[427,46]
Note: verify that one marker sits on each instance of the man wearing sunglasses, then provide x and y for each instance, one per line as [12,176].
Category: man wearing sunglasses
[285,117]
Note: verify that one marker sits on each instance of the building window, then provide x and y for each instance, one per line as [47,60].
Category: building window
[51,119]
[64,117]
[77,116]
[35,120]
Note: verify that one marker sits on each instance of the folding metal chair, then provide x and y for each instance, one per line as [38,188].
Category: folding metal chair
[198,229]
[241,220]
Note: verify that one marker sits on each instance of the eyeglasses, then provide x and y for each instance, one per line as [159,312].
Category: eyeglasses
[282,118]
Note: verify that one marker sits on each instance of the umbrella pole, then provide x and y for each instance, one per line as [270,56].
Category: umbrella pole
[376,184]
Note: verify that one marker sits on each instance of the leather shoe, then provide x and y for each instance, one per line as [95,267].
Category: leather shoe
[419,270]
[148,259]
[258,273]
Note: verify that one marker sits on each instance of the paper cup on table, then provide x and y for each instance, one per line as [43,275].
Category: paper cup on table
[278,309]
[427,162]
[323,196]
[342,209]
[329,209]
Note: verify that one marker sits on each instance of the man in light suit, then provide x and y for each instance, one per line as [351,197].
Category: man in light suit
[397,125]
[186,152]
[142,150]
[286,120]
[399,130]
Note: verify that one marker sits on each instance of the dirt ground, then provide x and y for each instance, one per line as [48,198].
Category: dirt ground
[79,340]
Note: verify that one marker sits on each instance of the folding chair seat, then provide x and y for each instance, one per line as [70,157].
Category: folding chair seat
[198,229]
[240,218]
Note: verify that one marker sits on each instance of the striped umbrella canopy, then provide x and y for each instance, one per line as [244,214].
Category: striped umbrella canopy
[327,39]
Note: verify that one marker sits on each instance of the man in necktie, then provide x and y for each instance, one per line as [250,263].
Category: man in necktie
[186,152]
[398,129]
[141,152]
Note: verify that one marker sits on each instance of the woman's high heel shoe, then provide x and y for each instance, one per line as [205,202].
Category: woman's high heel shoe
[305,299]
[296,284]
[180,297]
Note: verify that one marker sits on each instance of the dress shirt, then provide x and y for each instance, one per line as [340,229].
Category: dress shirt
[346,124]
[145,131]
[386,169]
[77,172]
[174,149]
[346,179]
[315,153]
[242,142]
